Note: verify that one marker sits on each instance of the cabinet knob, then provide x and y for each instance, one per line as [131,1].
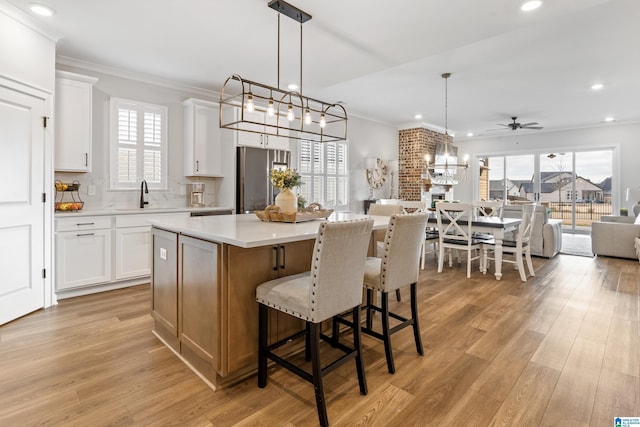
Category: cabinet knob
[86,159]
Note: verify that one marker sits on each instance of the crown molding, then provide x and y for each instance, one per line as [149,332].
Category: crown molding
[132,75]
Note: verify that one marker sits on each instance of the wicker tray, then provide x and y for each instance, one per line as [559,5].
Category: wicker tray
[313,211]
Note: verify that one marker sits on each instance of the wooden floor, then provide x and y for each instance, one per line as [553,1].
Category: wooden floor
[562,349]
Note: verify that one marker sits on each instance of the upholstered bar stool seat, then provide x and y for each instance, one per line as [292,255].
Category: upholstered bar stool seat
[333,286]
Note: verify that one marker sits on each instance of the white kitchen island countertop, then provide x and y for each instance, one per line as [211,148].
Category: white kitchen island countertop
[247,231]
[135,211]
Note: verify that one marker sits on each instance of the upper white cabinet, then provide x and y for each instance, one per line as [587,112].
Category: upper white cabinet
[73,109]
[260,139]
[202,139]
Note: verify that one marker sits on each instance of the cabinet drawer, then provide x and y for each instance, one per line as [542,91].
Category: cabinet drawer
[83,223]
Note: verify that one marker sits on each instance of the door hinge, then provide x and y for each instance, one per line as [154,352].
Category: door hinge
[44,273]
[44,121]
[44,197]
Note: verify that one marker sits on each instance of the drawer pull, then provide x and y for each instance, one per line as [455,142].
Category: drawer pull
[85,223]
[85,234]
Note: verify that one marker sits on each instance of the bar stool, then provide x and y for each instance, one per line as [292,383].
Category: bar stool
[333,286]
[397,267]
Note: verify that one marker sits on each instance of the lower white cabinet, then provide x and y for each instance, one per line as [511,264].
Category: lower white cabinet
[133,256]
[83,256]
[109,250]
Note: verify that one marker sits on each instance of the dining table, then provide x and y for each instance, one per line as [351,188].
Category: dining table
[495,226]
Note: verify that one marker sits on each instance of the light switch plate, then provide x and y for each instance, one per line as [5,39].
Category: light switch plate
[163,253]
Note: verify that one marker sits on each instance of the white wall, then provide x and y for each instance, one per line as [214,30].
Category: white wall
[623,138]
[369,139]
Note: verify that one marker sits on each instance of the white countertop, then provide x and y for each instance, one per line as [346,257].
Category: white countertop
[132,211]
[247,231]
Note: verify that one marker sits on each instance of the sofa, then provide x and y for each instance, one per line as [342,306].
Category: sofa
[546,237]
[615,236]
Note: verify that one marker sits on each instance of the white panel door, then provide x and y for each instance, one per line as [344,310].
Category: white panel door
[21,206]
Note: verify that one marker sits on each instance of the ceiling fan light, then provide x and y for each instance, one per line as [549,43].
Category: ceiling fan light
[530,5]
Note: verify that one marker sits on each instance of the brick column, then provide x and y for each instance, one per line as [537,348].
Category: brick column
[413,144]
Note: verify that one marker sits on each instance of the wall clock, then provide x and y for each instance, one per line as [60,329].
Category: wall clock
[377,175]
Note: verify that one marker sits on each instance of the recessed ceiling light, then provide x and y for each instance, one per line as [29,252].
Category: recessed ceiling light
[41,9]
[418,116]
[597,86]
[293,86]
[609,119]
[531,5]
[470,134]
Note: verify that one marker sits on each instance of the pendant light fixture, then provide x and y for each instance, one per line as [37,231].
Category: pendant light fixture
[296,116]
[445,170]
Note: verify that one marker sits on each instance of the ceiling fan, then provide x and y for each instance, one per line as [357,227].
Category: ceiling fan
[515,125]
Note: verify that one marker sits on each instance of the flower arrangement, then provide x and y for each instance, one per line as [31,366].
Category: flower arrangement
[285,178]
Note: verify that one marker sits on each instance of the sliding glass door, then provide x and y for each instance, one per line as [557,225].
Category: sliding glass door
[575,186]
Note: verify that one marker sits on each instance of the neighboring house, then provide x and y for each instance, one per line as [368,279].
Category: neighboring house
[606,189]
[554,187]
[496,189]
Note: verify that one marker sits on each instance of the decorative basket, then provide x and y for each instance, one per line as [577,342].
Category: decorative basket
[272,213]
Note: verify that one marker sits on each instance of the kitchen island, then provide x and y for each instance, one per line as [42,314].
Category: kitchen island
[204,275]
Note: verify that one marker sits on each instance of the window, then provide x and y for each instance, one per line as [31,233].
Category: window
[323,168]
[138,144]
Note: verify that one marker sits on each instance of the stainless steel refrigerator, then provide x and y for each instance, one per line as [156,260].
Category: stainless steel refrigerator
[253,185]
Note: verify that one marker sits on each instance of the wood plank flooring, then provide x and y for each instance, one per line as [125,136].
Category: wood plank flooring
[561,349]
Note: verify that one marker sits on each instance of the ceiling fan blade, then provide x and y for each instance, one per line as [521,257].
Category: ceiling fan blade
[489,130]
[500,124]
[528,124]
[532,127]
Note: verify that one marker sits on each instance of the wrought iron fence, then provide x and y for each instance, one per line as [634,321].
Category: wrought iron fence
[589,211]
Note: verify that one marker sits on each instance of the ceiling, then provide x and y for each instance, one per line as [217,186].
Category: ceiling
[383,60]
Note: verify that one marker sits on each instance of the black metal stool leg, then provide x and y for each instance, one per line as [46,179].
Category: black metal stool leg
[369,322]
[385,333]
[263,331]
[357,345]
[317,373]
[414,317]
[398,296]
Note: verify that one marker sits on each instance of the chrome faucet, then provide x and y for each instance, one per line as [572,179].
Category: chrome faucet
[143,189]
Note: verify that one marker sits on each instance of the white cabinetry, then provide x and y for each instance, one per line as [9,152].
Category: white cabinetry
[73,109]
[261,139]
[83,251]
[202,139]
[96,253]
[133,244]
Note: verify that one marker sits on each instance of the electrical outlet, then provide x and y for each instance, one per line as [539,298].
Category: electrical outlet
[91,190]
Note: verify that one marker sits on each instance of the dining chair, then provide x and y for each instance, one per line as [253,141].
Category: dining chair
[487,208]
[331,287]
[453,234]
[519,247]
[385,210]
[398,266]
[491,208]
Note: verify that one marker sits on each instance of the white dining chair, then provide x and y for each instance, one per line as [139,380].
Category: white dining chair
[519,248]
[453,234]
[487,208]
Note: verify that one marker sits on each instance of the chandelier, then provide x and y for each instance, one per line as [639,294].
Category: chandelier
[288,113]
[444,169]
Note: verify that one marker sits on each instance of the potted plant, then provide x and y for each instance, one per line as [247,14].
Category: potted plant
[285,179]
